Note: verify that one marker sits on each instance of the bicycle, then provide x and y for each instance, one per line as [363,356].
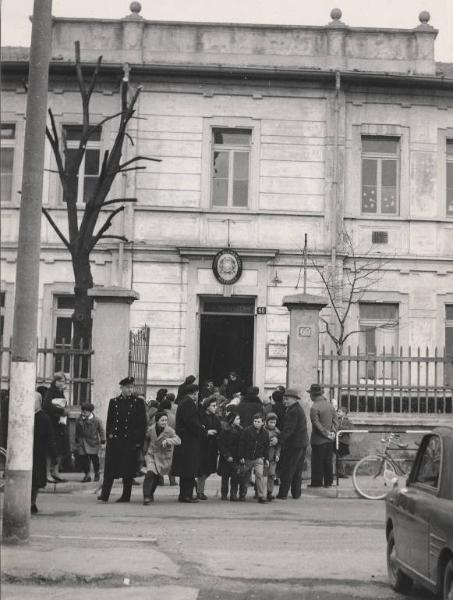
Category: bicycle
[376,474]
[2,468]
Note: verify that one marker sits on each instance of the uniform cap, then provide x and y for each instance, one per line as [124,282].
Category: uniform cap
[127,381]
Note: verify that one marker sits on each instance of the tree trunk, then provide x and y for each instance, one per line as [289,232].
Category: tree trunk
[81,316]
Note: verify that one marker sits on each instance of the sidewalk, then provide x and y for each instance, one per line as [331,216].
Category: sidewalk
[175,550]
[345,489]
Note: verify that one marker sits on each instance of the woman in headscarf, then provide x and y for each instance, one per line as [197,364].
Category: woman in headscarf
[55,406]
[183,388]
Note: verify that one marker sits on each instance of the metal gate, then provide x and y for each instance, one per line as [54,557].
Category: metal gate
[138,358]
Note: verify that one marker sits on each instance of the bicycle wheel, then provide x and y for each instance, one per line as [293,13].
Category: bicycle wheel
[373,477]
[2,468]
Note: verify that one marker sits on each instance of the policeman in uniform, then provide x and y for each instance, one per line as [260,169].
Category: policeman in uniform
[125,433]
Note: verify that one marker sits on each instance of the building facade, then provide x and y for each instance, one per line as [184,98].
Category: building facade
[265,134]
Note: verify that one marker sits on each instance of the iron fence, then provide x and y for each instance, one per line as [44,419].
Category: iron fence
[395,382]
[73,360]
[138,358]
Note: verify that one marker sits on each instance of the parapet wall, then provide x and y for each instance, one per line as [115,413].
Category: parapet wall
[332,47]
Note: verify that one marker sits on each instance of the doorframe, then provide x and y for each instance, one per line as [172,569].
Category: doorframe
[253,298]
[201,282]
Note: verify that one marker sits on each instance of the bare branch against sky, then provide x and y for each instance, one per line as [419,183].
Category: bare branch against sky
[386,13]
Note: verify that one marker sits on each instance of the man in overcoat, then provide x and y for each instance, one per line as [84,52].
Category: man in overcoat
[43,447]
[125,433]
[324,421]
[294,440]
[186,457]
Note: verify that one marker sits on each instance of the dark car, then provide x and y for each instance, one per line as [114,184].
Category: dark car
[419,520]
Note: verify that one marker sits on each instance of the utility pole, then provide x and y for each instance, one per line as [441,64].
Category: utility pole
[16,512]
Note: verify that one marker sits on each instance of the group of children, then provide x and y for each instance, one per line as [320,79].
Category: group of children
[254,450]
[233,452]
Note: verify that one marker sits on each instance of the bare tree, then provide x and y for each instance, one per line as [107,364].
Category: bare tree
[360,273]
[84,235]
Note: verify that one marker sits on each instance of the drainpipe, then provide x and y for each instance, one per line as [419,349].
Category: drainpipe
[336,105]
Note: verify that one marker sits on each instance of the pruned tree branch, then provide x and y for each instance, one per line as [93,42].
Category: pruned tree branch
[114,237]
[105,226]
[56,229]
[136,158]
[81,238]
[105,120]
[114,201]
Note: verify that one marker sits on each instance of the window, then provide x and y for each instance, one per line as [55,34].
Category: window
[428,467]
[380,175]
[450,178]
[448,371]
[7,159]
[64,307]
[378,330]
[74,362]
[230,167]
[89,168]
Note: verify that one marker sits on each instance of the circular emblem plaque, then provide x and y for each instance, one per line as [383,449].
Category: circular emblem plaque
[227,266]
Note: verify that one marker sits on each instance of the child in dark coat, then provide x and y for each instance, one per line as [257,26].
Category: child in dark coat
[209,443]
[274,452]
[228,456]
[254,456]
[89,435]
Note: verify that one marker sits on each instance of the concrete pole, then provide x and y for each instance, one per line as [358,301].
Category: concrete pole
[16,513]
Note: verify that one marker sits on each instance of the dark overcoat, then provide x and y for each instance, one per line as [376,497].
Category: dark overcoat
[60,430]
[43,446]
[125,430]
[186,457]
[209,443]
[294,433]
[248,407]
[294,440]
[229,448]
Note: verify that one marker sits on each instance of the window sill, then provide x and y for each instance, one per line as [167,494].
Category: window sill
[399,218]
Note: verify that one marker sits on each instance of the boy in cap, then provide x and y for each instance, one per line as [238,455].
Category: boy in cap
[274,452]
[125,429]
[294,440]
[89,435]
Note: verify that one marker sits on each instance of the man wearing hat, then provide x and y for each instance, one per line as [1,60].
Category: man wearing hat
[125,434]
[186,457]
[294,440]
[324,420]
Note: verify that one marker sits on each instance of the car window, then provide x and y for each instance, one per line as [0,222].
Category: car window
[429,464]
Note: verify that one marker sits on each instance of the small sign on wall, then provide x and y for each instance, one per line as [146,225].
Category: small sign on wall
[277,351]
[303,332]
[260,310]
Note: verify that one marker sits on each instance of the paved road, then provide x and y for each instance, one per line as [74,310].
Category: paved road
[313,548]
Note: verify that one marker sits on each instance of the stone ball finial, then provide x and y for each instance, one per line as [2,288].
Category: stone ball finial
[336,14]
[135,7]
[424,17]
